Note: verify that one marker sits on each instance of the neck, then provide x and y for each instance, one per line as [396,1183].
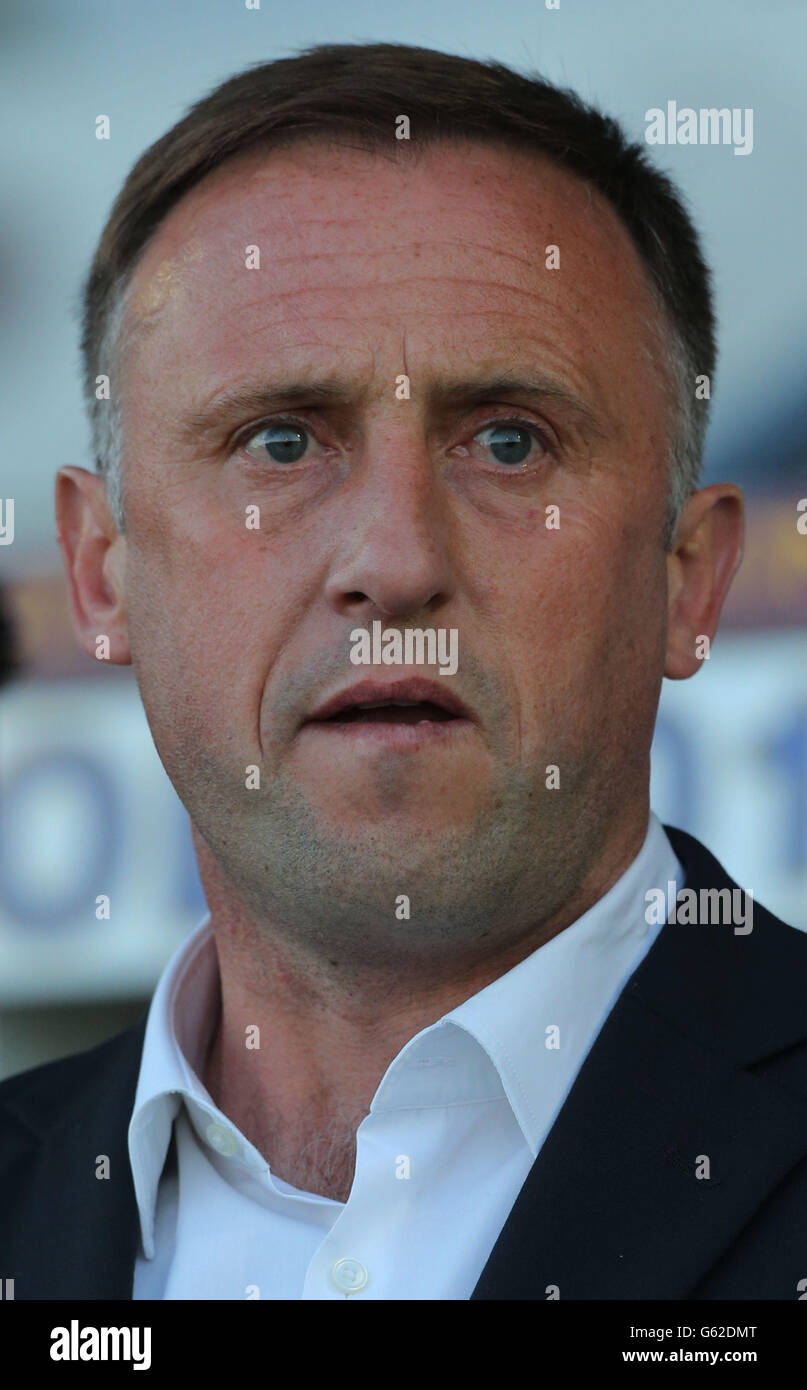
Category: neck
[326,1035]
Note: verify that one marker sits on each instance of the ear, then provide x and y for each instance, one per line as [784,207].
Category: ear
[706,554]
[94,554]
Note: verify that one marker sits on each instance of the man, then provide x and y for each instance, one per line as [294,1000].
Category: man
[397,343]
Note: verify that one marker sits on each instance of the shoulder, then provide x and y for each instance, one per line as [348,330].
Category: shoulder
[739,984]
[705,873]
[37,1096]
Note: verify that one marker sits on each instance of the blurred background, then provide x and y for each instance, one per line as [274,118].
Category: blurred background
[86,806]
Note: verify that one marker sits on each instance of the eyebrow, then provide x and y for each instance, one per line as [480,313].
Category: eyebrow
[264,397]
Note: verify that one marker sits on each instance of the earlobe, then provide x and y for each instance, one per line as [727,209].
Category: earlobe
[706,554]
[93,551]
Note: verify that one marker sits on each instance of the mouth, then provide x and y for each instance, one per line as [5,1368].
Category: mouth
[410,709]
[391,712]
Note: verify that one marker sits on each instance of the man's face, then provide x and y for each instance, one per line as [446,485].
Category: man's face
[424,512]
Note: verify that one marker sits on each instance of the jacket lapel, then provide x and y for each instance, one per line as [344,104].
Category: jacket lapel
[612,1207]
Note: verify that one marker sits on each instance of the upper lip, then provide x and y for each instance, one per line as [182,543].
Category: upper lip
[412,690]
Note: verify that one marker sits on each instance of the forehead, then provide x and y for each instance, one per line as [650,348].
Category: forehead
[450,240]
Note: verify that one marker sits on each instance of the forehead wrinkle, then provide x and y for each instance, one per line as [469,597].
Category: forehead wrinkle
[424,316]
[168,280]
[141,328]
[306,259]
[303,257]
[281,296]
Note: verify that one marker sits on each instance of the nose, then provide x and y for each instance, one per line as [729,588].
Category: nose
[393,557]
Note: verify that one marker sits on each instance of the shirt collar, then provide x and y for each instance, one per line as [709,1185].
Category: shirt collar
[538,1022]
[181,1019]
[495,1041]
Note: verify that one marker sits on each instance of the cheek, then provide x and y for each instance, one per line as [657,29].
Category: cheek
[585,630]
[200,625]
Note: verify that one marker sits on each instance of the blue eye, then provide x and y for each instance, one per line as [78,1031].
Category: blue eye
[514,444]
[283,443]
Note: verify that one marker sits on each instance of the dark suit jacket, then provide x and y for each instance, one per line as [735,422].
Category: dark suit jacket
[704,1053]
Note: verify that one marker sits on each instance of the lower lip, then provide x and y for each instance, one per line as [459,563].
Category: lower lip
[392,735]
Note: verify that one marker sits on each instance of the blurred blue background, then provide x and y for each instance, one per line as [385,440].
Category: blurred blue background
[87,808]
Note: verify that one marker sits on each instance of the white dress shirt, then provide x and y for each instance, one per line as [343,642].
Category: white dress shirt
[453,1129]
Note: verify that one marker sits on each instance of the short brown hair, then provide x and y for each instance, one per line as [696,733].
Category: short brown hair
[354,93]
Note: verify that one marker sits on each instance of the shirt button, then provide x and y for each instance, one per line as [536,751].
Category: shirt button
[222,1140]
[349,1275]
